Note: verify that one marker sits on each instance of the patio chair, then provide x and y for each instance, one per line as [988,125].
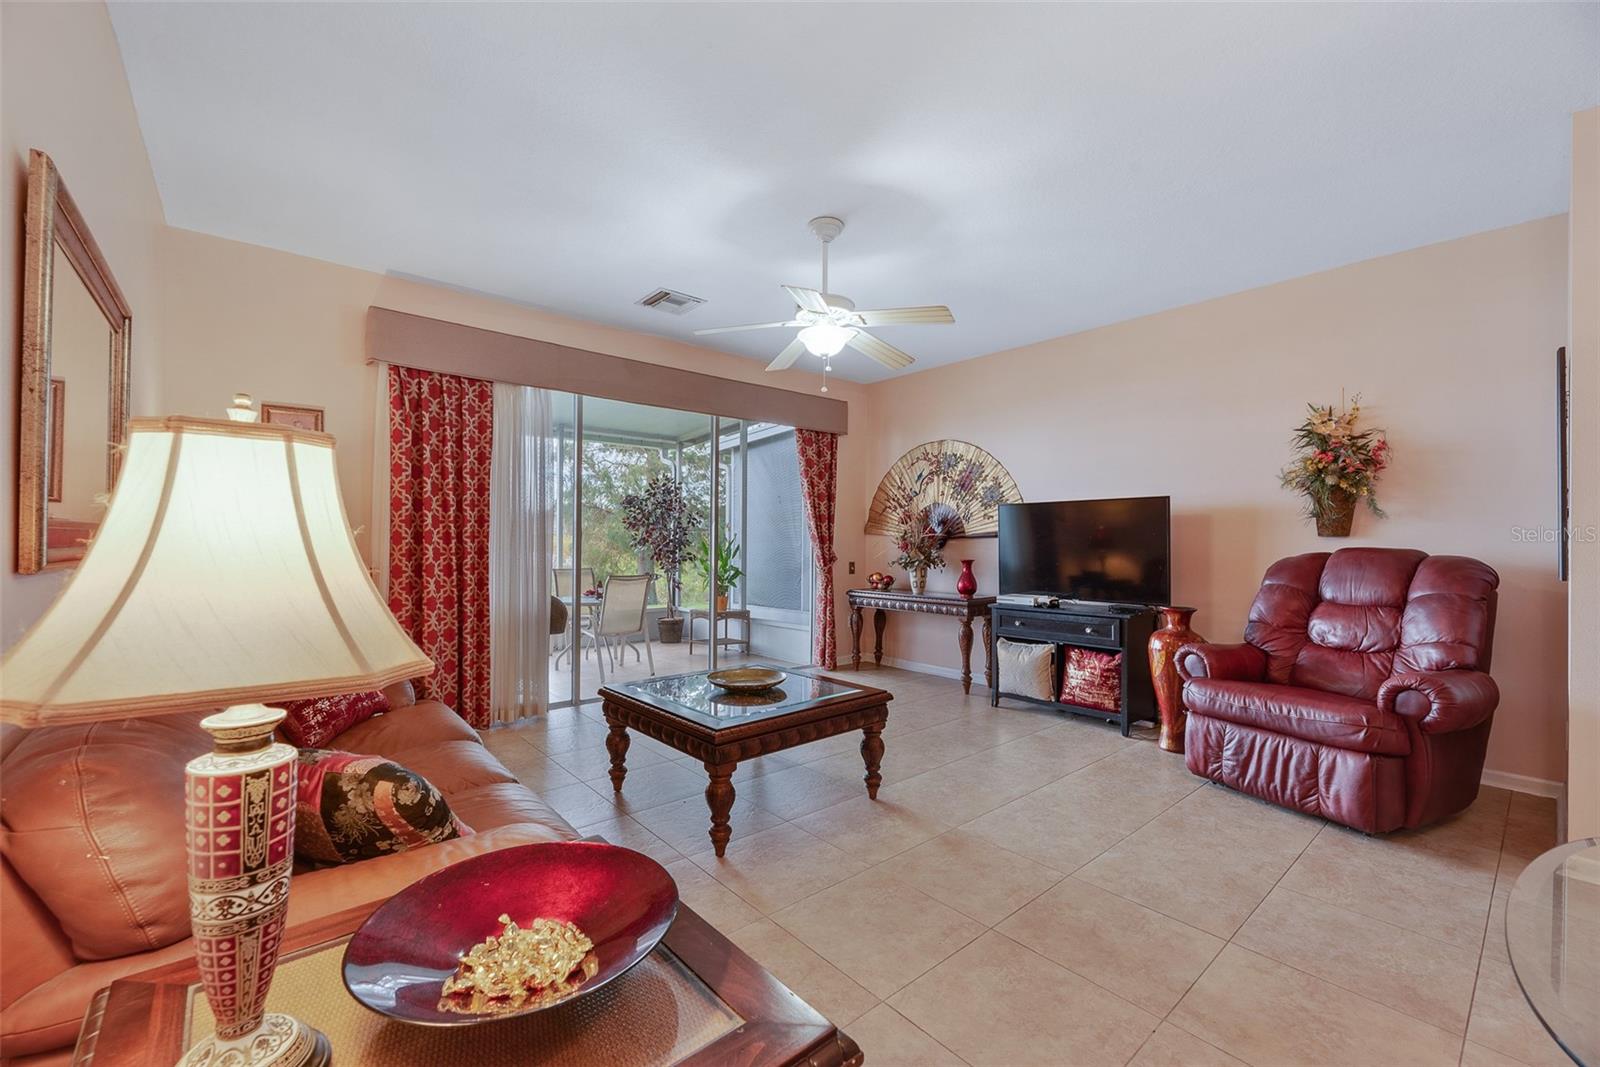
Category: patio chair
[622,615]
[563,580]
[561,583]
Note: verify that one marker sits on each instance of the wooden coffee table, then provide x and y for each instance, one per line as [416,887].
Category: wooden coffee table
[696,999]
[688,713]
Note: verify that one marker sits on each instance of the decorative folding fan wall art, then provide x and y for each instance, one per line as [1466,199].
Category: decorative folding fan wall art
[964,476]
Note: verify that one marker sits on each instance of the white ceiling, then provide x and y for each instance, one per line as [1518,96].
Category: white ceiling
[1040,168]
[603,417]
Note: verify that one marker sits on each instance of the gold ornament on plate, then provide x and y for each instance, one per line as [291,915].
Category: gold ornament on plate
[540,963]
[971,482]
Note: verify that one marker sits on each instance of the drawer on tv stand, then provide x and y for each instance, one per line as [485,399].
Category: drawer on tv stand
[1067,630]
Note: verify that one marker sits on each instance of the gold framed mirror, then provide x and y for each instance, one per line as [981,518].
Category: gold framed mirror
[76,342]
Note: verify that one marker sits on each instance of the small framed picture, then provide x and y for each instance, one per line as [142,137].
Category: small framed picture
[58,430]
[300,416]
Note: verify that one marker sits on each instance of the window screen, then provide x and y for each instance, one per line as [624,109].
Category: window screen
[777,550]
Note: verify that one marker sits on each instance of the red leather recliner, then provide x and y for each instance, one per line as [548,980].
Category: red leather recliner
[1361,693]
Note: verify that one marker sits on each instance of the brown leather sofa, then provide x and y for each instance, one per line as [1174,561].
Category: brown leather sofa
[92,883]
[1361,692]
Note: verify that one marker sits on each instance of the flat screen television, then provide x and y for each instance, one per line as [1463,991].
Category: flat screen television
[1117,551]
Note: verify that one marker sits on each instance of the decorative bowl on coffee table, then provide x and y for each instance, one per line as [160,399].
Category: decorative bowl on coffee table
[398,961]
[747,679]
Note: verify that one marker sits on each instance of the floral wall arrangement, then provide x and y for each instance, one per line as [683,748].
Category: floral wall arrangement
[1336,464]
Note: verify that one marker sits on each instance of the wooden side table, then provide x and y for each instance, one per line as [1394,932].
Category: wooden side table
[741,614]
[697,999]
[965,608]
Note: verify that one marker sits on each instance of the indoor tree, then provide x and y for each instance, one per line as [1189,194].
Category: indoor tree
[660,521]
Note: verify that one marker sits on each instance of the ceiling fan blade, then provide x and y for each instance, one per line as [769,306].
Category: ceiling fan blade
[809,299]
[882,351]
[931,313]
[751,326]
[791,352]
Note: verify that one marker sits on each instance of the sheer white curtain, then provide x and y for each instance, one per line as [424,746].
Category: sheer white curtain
[519,554]
[378,536]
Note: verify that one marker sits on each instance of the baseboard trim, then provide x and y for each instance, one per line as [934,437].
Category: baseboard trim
[930,668]
[1522,783]
[1519,783]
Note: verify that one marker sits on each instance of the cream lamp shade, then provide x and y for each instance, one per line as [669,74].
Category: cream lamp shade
[224,573]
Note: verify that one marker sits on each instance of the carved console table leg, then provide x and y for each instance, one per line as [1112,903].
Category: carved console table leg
[880,619]
[872,756]
[617,745]
[988,653]
[719,798]
[964,641]
[855,638]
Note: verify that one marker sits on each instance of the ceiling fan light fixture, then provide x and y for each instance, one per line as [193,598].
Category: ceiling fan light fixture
[826,339]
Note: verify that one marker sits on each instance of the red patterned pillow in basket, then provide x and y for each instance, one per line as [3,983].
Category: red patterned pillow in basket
[1092,679]
[313,723]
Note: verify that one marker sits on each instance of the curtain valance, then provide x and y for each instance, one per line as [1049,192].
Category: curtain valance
[450,348]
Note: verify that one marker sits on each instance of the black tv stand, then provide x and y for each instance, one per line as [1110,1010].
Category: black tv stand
[1104,627]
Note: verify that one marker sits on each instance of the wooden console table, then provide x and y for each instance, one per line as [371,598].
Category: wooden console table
[965,608]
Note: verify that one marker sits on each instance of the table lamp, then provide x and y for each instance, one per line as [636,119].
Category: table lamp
[225,573]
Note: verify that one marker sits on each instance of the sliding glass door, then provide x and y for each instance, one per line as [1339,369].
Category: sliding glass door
[743,586]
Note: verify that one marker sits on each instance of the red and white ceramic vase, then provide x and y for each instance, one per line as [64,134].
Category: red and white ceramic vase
[239,832]
[966,581]
[1164,644]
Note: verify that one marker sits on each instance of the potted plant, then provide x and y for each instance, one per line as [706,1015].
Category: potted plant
[1336,465]
[659,522]
[722,574]
[921,542]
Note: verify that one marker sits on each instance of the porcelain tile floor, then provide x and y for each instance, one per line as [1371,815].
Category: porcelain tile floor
[1032,888]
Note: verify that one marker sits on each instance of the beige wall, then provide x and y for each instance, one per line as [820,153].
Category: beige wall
[63,91]
[242,318]
[1453,347]
[1583,349]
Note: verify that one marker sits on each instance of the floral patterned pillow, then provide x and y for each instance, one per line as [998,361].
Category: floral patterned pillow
[350,807]
[313,723]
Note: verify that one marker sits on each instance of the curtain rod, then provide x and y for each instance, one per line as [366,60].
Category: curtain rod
[451,348]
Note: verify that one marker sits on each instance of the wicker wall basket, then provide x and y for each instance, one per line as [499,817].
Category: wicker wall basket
[1336,516]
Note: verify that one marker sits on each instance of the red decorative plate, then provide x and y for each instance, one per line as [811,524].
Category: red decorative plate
[397,962]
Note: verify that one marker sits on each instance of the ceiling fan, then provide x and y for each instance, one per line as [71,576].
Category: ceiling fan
[829,322]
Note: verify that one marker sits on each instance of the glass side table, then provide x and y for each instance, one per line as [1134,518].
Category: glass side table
[1553,934]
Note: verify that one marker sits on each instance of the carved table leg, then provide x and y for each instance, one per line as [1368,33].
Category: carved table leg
[719,798]
[964,640]
[872,756]
[617,745]
[988,654]
[880,619]
[855,637]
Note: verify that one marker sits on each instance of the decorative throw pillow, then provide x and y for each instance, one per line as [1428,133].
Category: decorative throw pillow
[1026,669]
[313,723]
[1092,679]
[351,807]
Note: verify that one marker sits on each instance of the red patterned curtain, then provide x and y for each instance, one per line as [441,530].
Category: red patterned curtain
[819,475]
[441,431]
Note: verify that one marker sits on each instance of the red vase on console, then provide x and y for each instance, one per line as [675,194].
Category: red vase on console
[967,582]
[1164,645]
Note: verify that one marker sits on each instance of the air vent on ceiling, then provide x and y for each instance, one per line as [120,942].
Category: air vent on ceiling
[673,303]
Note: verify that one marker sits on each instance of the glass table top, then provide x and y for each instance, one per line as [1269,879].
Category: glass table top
[1553,934]
[695,698]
